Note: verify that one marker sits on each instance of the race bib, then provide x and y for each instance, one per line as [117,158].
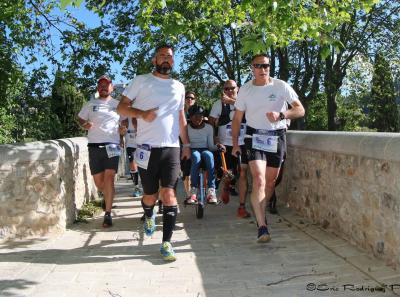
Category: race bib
[266,143]
[142,155]
[113,150]
[241,132]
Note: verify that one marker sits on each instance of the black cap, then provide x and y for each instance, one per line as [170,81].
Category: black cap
[195,109]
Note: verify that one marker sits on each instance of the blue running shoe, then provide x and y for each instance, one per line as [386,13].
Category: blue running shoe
[137,192]
[263,235]
[149,225]
[167,252]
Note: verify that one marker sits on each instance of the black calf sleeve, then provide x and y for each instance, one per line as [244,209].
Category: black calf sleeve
[169,220]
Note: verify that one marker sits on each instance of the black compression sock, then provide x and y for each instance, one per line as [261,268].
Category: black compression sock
[148,210]
[169,220]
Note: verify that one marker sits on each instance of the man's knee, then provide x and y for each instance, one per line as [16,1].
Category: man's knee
[168,196]
[259,181]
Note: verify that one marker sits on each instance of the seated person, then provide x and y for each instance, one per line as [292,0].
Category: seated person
[201,137]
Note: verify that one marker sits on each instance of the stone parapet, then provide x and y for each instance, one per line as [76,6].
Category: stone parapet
[42,184]
[348,183]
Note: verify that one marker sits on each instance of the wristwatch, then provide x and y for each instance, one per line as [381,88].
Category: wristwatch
[282,116]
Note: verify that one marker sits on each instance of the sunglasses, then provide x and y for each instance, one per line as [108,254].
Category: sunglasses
[229,88]
[259,66]
[190,98]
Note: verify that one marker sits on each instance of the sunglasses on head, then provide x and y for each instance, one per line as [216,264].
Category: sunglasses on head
[259,66]
[229,88]
[190,98]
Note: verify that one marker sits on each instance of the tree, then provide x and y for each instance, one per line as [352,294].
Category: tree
[66,101]
[358,36]
[384,113]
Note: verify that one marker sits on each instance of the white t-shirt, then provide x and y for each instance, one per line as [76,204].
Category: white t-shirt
[224,134]
[130,136]
[103,114]
[167,95]
[256,101]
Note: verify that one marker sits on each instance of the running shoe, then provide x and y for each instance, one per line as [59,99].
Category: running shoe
[263,235]
[211,196]
[107,222]
[243,213]
[192,199]
[167,252]
[137,192]
[149,225]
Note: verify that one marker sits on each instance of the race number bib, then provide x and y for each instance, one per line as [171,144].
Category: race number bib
[113,150]
[241,132]
[142,155]
[266,143]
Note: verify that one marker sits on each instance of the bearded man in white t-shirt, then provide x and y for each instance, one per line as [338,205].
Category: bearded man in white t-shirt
[263,99]
[157,102]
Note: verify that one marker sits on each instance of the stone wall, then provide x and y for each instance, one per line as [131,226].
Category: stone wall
[348,183]
[41,186]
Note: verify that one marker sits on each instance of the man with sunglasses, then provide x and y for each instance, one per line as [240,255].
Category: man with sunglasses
[221,115]
[264,98]
[158,106]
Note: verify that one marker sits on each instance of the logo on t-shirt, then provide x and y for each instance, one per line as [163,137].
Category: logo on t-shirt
[95,108]
[272,97]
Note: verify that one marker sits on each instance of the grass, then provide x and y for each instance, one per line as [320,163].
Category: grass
[88,211]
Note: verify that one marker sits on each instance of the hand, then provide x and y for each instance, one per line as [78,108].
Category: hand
[87,125]
[186,153]
[149,115]
[123,130]
[273,116]
[221,147]
[236,150]
[226,99]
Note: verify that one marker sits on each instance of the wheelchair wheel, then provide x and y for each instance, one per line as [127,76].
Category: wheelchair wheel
[199,211]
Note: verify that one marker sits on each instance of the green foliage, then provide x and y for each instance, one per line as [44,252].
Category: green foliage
[316,117]
[350,115]
[265,22]
[66,102]
[384,115]
[7,126]
[88,210]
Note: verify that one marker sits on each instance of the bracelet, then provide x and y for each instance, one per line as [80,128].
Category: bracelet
[186,145]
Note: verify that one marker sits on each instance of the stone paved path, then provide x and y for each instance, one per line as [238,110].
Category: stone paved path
[217,257]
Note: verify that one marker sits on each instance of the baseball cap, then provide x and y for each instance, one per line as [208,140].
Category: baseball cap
[195,109]
[104,77]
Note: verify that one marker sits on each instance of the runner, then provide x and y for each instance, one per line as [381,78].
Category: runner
[264,98]
[159,108]
[221,116]
[100,118]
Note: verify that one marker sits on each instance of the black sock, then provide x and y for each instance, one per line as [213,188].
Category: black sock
[148,210]
[169,219]
[107,213]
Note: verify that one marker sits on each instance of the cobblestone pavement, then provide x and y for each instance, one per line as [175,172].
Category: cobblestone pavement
[217,257]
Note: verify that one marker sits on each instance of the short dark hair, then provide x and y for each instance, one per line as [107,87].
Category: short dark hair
[163,45]
[265,55]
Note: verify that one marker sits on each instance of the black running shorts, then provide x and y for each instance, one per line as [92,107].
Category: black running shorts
[164,167]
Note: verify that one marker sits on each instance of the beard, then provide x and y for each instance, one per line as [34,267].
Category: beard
[164,68]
